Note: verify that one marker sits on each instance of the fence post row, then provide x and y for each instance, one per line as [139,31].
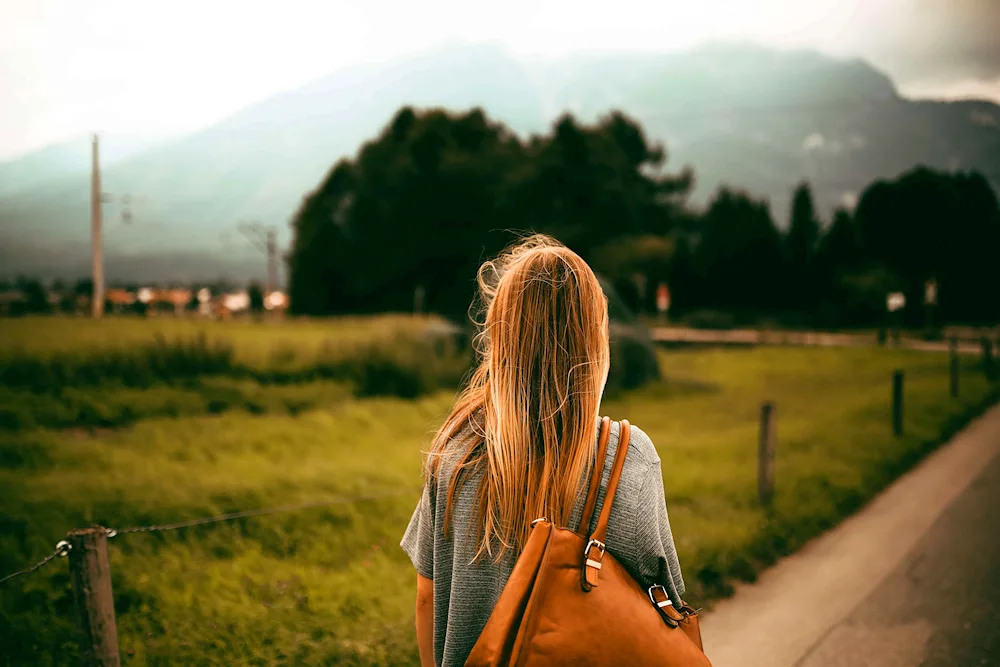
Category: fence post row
[90,573]
[988,369]
[955,367]
[897,403]
[765,452]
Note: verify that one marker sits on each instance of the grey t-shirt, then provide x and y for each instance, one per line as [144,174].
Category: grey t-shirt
[465,592]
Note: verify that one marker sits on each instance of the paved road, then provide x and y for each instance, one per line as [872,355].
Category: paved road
[912,580]
[940,607]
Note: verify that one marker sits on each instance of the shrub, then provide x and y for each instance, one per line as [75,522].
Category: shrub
[136,366]
[115,386]
[710,319]
[405,368]
[633,359]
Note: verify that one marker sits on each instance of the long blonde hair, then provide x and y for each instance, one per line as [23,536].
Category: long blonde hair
[527,417]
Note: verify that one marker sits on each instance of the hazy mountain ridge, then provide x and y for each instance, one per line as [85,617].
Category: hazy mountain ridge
[739,114]
[65,159]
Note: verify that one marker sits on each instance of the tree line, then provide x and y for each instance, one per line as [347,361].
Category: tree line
[435,193]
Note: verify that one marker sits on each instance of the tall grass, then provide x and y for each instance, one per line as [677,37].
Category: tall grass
[390,356]
[330,586]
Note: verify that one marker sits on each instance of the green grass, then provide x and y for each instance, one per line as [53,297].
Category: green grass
[331,586]
[114,405]
[292,344]
[383,355]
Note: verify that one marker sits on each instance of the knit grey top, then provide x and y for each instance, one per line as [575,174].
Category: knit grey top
[465,593]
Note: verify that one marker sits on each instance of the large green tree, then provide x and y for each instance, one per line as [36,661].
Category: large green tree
[931,225]
[740,258]
[587,185]
[424,203]
[419,206]
[800,247]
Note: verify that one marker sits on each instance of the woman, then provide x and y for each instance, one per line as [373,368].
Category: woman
[519,444]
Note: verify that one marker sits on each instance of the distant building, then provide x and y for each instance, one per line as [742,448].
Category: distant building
[205,302]
[12,301]
[236,302]
[276,301]
[178,298]
[120,300]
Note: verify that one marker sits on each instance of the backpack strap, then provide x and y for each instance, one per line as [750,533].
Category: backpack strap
[594,551]
[595,478]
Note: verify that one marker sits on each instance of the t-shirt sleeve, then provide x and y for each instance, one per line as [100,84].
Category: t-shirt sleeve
[657,555]
[418,540]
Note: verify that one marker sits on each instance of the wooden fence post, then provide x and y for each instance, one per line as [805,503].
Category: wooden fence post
[765,452]
[418,300]
[897,403]
[90,573]
[955,367]
[987,357]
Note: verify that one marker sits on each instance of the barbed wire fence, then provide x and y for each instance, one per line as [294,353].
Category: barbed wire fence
[90,570]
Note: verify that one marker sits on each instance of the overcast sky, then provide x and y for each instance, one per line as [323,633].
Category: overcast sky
[149,67]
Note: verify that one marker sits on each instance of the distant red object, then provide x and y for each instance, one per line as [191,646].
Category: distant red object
[662,298]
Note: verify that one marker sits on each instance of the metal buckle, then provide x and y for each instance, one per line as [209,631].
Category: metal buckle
[688,611]
[594,543]
[660,606]
[665,603]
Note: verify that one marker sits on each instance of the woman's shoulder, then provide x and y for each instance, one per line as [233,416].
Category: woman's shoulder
[641,450]
[641,446]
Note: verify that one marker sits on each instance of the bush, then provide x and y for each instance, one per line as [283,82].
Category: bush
[110,387]
[633,359]
[15,418]
[405,368]
[710,319]
[141,365]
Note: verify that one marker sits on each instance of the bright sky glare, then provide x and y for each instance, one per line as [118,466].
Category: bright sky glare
[69,67]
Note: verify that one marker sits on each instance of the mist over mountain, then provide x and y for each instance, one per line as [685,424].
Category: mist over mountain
[64,159]
[738,114]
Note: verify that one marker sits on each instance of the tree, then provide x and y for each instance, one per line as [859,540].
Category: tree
[256,295]
[436,193]
[586,185]
[84,287]
[800,247]
[682,277]
[420,205]
[931,225]
[739,259]
[839,248]
[636,265]
[36,298]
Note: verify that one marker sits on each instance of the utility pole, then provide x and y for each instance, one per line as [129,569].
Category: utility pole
[264,239]
[272,261]
[96,199]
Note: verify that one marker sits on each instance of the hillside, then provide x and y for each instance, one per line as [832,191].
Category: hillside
[738,114]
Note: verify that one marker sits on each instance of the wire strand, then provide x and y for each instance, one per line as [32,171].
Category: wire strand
[260,512]
[61,550]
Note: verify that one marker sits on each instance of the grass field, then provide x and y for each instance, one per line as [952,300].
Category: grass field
[330,585]
[255,344]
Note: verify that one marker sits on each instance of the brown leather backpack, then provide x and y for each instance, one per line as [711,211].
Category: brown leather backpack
[569,602]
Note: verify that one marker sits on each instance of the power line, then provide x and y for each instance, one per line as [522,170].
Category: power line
[265,240]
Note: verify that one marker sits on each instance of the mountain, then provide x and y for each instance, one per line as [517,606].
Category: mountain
[64,159]
[738,114]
